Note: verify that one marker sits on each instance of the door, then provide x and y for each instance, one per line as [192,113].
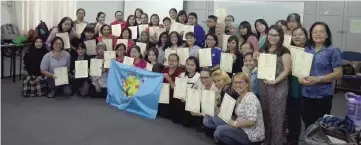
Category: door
[309,14]
[202,9]
[331,12]
[352,30]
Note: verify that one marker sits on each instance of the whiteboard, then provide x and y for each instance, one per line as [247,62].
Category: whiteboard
[160,7]
[252,10]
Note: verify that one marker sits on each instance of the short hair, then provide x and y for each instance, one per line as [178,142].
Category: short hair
[119,45]
[328,41]
[207,70]
[213,17]
[98,15]
[80,45]
[303,30]
[80,9]
[103,26]
[223,74]
[214,37]
[166,19]
[244,77]
[174,54]
[231,17]
[53,41]
[182,12]
[118,12]
[173,9]
[193,14]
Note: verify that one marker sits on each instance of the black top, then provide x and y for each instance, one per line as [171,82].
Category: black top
[74,58]
[157,68]
[212,30]
[32,60]
[237,65]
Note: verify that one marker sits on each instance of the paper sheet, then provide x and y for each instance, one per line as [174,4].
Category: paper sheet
[183,54]
[168,52]
[227,108]
[302,64]
[287,40]
[153,31]
[205,57]
[226,62]
[81,69]
[91,46]
[80,28]
[142,28]
[108,44]
[294,50]
[187,29]
[143,48]
[178,27]
[164,94]
[128,60]
[208,102]
[221,14]
[193,100]
[134,30]
[116,30]
[267,66]
[96,66]
[124,41]
[180,90]
[335,140]
[160,31]
[61,74]
[355,26]
[108,56]
[149,67]
[65,37]
[225,42]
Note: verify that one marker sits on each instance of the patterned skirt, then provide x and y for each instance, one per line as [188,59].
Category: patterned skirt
[34,86]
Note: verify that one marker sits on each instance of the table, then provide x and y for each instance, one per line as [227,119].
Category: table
[12,51]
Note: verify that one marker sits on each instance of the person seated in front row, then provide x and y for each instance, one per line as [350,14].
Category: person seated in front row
[33,80]
[247,127]
[57,57]
[98,87]
[80,85]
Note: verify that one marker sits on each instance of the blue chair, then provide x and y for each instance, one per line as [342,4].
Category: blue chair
[350,56]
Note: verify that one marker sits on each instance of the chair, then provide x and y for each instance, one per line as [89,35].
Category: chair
[354,57]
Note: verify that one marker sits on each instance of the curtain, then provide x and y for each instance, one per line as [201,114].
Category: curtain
[29,13]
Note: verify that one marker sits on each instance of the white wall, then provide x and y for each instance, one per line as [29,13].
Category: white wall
[108,7]
[6,13]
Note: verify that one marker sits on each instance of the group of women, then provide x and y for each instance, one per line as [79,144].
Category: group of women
[262,106]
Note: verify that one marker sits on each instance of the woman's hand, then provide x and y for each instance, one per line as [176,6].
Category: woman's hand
[172,85]
[313,80]
[232,123]
[255,54]
[304,81]
[234,58]
[269,82]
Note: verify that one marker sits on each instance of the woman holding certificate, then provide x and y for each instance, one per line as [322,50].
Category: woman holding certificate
[144,19]
[190,43]
[173,14]
[182,17]
[138,13]
[98,87]
[293,21]
[80,85]
[154,22]
[152,56]
[120,51]
[212,42]
[261,28]
[138,58]
[198,30]
[317,88]
[245,29]
[233,48]
[273,90]
[100,22]
[131,21]
[56,59]
[127,34]
[174,41]
[161,46]
[33,80]
[107,37]
[170,73]
[65,27]
[293,111]
[247,128]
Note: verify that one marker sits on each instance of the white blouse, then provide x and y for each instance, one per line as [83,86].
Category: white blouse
[191,81]
[250,109]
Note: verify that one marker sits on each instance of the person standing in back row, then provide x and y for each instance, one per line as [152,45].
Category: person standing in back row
[119,19]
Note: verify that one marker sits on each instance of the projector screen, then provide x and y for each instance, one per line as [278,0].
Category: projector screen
[251,11]
[159,7]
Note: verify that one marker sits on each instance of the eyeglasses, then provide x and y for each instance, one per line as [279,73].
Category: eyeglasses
[239,82]
[204,78]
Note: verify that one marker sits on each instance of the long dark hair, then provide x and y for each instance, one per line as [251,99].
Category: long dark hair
[234,38]
[89,29]
[263,22]
[138,49]
[281,49]
[60,28]
[135,12]
[303,30]
[192,35]
[182,12]
[155,53]
[179,39]
[150,20]
[195,60]
[160,40]
[247,25]
[98,15]
[194,15]
[328,41]
[214,37]
[129,31]
[135,23]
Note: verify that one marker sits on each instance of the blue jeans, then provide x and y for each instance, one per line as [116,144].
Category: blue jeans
[212,122]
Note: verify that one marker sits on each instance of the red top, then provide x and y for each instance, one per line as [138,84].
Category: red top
[119,60]
[123,24]
[175,74]
[100,39]
[141,64]
[131,43]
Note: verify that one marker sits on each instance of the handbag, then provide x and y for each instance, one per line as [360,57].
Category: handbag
[316,134]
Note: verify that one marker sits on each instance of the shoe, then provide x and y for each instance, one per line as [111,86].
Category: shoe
[200,128]
[51,94]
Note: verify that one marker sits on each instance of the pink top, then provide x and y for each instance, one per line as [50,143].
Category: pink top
[119,60]
[254,42]
[131,43]
[100,39]
[141,64]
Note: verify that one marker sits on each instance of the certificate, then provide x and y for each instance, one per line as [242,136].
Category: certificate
[81,69]
[65,37]
[180,90]
[149,67]
[134,30]
[187,29]
[183,54]
[128,60]
[160,31]
[61,74]
[226,62]
[193,100]
[142,28]
[225,42]
[91,47]
[124,41]
[143,48]
[164,94]
[178,27]
[294,50]
[108,44]
[267,66]
[221,14]
[116,30]
[79,28]
[227,107]
[208,102]
[302,64]
[108,56]
[205,57]
[96,66]
[153,31]
[168,52]
[287,40]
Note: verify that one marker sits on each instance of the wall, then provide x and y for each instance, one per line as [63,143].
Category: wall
[108,7]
